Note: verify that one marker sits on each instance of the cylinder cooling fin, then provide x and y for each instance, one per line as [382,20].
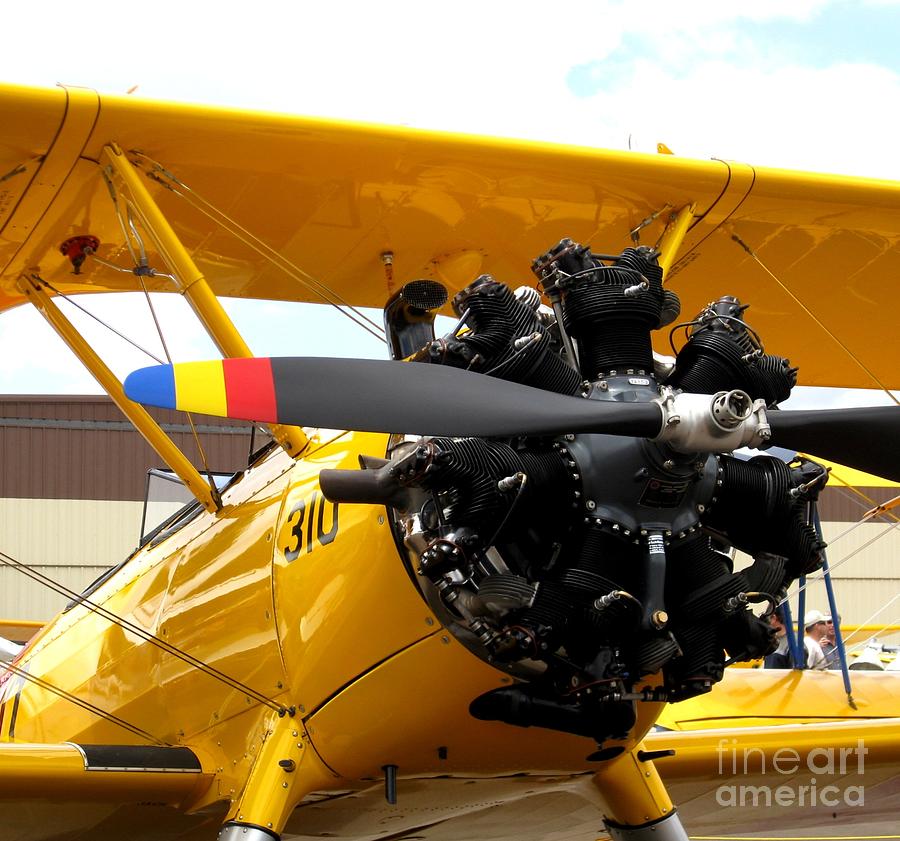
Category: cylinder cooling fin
[722,352]
[506,336]
[599,570]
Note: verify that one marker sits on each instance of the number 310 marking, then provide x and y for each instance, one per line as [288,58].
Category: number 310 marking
[316,513]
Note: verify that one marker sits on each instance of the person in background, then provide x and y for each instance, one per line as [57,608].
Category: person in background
[780,658]
[815,628]
[829,645]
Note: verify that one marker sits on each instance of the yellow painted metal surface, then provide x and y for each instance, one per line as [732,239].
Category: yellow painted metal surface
[631,790]
[81,109]
[26,141]
[698,753]
[331,197]
[205,589]
[848,477]
[835,780]
[286,770]
[219,607]
[189,280]
[417,702]
[57,772]
[338,581]
[758,697]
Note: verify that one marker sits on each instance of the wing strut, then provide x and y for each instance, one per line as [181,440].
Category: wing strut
[673,237]
[835,616]
[191,282]
[139,416]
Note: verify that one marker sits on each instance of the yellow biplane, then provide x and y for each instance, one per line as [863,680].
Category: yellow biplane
[481,626]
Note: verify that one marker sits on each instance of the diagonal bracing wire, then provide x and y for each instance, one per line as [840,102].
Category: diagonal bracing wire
[39,279]
[140,632]
[813,316]
[139,240]
[237,230]
[868,621]
[99,320]
[862,500]
[847,557]
[80,702]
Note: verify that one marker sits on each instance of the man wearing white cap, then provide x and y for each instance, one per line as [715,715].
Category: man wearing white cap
[816,628]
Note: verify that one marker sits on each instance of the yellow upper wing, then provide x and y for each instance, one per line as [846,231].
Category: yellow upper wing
[330,197]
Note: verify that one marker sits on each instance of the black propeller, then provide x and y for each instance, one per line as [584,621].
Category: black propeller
[387,396]
[382,396]
[864,438]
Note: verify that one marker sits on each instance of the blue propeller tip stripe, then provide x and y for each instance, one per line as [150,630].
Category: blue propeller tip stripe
[153,386]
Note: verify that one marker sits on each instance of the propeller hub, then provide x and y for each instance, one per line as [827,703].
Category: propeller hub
[700,423]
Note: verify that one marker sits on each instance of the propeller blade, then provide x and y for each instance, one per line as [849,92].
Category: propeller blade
[866,439]
[381,396]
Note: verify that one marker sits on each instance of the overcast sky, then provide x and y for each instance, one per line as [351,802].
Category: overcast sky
[807,84]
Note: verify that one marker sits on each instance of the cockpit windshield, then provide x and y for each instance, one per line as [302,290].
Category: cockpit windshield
[167,500]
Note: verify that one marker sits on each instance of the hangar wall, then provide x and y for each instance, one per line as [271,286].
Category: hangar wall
[73,476]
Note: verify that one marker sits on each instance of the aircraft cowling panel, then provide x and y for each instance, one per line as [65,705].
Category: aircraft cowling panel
[336,559]
[223,573]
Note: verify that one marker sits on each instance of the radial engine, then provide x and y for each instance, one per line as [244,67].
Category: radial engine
[599,570]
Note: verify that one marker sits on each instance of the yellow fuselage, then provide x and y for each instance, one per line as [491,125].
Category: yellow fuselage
[305,601]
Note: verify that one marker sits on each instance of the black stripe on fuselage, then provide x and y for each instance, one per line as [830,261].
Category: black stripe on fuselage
[139,758]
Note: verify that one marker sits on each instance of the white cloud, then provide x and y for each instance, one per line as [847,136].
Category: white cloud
[787,116]
[684,71]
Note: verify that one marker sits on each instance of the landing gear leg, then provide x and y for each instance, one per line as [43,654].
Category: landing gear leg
[237,832]
[286,770]
[668,829]
[634,801]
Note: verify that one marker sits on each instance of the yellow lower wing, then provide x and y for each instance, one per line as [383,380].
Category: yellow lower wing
[109,773]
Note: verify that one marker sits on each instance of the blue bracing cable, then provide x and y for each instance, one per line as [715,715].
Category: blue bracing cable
[835,618]
[793,644]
